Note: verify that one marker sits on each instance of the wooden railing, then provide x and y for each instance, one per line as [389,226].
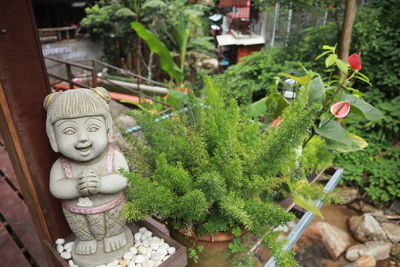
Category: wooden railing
[57,34]
[92,78]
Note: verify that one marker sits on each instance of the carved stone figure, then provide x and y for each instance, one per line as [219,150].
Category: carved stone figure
[86,177]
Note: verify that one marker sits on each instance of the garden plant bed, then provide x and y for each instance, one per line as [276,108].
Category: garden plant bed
[177,259]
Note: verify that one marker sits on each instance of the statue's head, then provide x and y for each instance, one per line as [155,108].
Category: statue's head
[79,123]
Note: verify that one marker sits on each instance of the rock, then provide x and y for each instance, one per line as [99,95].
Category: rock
[367,208]
[60,248]
[146,243]
[125,121]
[142,250]
[148,263]
[60,241]
[366,228]
[366,261]
[137,244]
[133,250]
[122,262]
[155,245]
[171,250]
[71,263]
[347,194]
[157,257]
[142,230]
[166,257]
[138,236]
[140,259]
[396,251]
[131,264]
[103,265]
[128,255]
[68,246]
[392,231]
[138,265]
[334,239]
[395,206]
[66,255]
[111,264]
[164,246]
[378,249]
[148,234]
[115,262]
[162,251]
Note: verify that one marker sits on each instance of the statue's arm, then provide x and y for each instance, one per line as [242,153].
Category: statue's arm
[60,186]
[115,182]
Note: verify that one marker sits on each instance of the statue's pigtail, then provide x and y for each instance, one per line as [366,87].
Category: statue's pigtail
[49,99]
[103,93]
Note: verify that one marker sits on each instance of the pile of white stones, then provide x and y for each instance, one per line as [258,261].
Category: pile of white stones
[147,251]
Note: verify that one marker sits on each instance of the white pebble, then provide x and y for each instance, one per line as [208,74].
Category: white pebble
[118,265]
[155,239]
[138,265]
[148,254]
[116,262]
[162,251]
[111,264]
[157,257]
[137,244]
[68,246]
[133,250]
[148,263]
[171,250]
[142,230]
[161,241]
[138,236]
[148,234]
[60,248]
[60,241]
[140,259]
[131,264]
[164,246]
[146,243]
[128,255]
[142,250]
[71,263]
[66,255]
[154,246]
[103,265]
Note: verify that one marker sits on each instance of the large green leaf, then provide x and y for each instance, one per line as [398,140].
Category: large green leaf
[274,100]
[360,106]
[158,47]
[307,204]
[357,143]
[331,129]
[125,12]
[317,91]
[300,201]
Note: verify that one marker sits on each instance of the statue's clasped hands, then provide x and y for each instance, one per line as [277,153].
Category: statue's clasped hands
[89,183]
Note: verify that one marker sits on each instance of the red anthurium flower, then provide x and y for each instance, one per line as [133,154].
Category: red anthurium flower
[340,109]
[354,61]
[276,122]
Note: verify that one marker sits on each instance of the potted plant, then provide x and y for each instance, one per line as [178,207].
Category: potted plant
[211,169]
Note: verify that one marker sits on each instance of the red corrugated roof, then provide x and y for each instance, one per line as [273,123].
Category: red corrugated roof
[229,3]
[241,13]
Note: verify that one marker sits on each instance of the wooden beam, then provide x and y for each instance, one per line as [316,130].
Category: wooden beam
[23,86]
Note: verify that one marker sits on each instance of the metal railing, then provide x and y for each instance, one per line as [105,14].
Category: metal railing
[307,218]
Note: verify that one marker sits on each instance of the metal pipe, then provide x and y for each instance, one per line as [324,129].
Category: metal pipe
[298,230]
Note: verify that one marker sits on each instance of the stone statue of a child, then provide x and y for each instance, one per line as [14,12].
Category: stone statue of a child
[86,177]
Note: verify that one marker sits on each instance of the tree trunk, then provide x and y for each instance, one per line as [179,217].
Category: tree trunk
[348,21]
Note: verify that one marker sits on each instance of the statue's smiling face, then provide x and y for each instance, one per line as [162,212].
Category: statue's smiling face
[81,139]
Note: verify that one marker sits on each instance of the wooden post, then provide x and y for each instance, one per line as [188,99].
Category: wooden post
[23,86]
[69,75]
[347,28]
